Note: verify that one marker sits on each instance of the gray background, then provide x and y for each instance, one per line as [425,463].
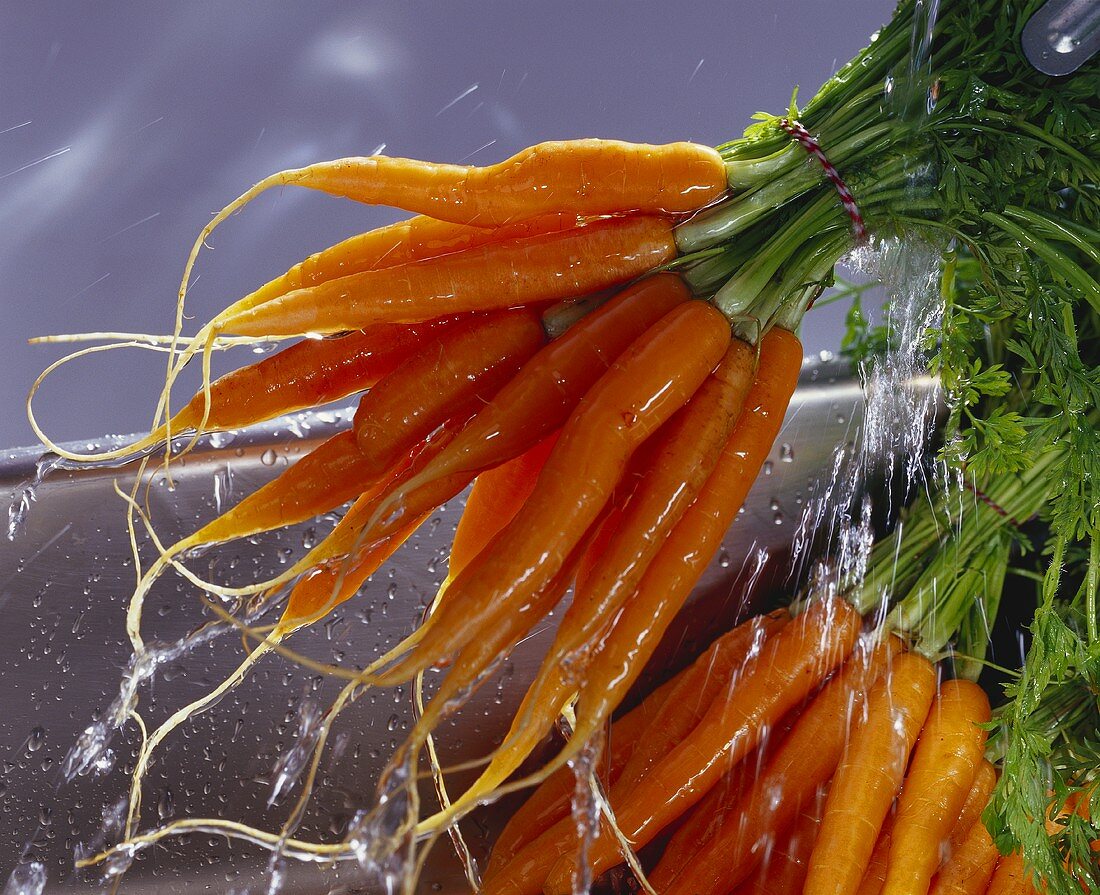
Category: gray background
[123,126]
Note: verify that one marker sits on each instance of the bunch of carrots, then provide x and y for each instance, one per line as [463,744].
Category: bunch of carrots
[610,458]
[792,757]
[599,338]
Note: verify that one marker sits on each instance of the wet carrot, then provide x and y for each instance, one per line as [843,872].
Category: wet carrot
[326,587]
[803,762]
[700,824]
[870,775]
[708,679]
[975,803]
[329,475]
[306,374]
[695,539]
[548,267]
[875,875]
[679,458]
[783,870]
[451,375]
[406,241]
[944,766]
[541,396]
[788,667]
[643,388]
[552,800]
[494,500]
[578,177]
[971,865]
[1010,877]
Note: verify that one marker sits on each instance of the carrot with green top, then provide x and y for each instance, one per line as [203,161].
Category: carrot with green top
[870,775]
[945,763]
[805,760]
[532,270]
[643,388]
[787,668]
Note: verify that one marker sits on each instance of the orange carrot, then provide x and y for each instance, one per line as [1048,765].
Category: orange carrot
[411,240]
[308,373]
[783,870]
[870,775]
[449,377]
[707,680]
[970,867]
[548,267]
[787,668]
[643,388]
[875,875]
[579,177]
[975,803]
[551,801]
[320,591]
[944,766]
[329,475]
[1010,877]
[695,540]
[804,761]
[679,458]
[494,500]
[696,828]
[541,396]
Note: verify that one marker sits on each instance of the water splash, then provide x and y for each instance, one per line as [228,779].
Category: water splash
[92,752]
[288,769]
[27,494]
[381,837]
[26,879]
[899,418]
[586,813]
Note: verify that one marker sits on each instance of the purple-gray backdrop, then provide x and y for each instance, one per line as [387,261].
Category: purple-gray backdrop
[123,125]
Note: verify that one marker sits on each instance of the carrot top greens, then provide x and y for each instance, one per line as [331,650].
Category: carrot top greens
[941,128]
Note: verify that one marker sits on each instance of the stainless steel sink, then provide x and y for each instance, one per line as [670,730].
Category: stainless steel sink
[64,581]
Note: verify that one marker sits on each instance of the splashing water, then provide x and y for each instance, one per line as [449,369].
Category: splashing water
[28,494]
[898,420]
[586,812]
[293,761]
[26,879]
